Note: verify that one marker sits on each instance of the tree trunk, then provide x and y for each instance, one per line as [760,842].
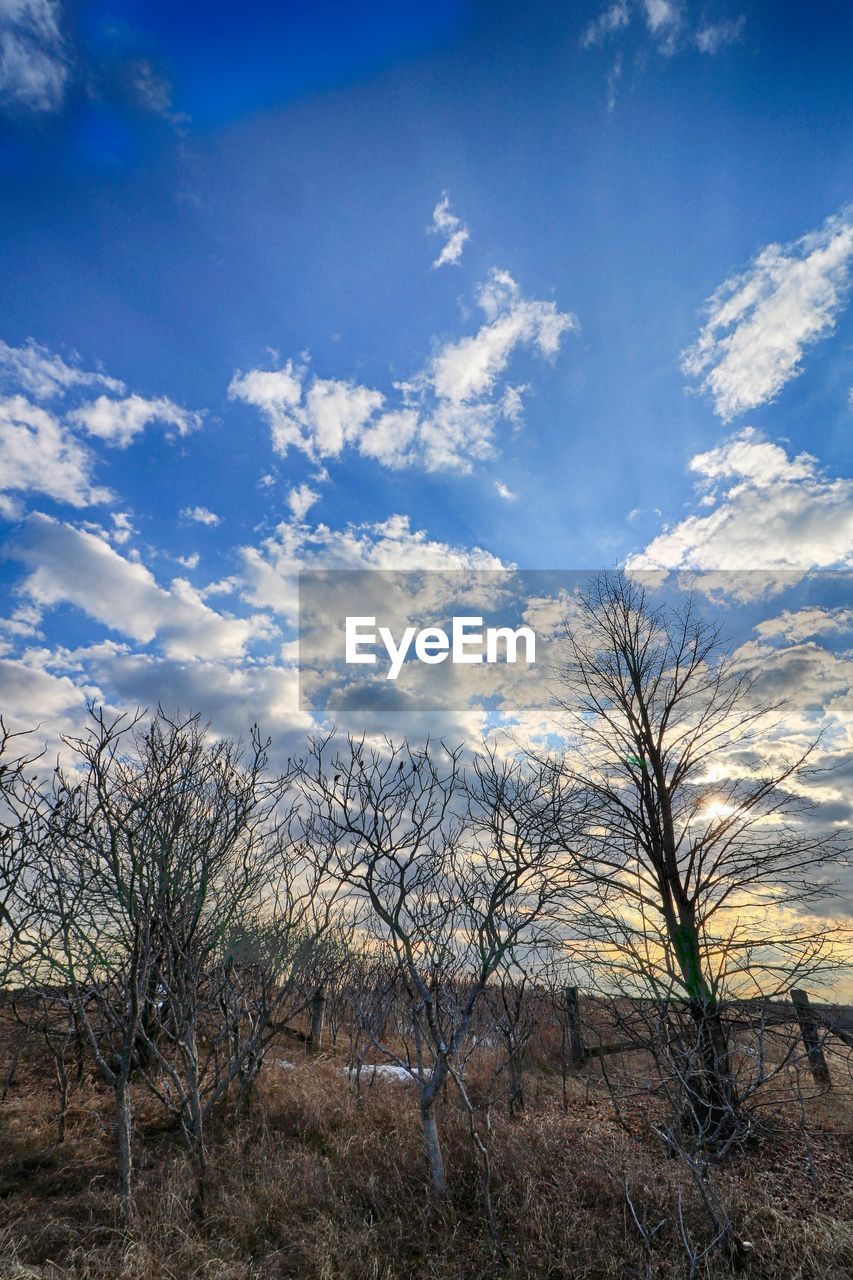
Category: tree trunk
[716,1101]
[123,1140]
[516,1082]
[432,1147]
[194,1121]
[714,1096]
[61,1068]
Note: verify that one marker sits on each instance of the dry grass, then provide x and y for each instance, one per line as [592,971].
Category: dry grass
[322,1185]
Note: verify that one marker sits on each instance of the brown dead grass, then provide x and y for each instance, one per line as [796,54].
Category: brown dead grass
[322,1185]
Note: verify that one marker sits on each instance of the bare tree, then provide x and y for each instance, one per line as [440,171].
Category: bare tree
[698,837]
[382,823]
[450,900]
[23,816]
[161,845]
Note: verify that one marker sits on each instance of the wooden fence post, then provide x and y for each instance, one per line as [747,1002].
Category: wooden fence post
[811,1039]
[576,1044]
[317,1011]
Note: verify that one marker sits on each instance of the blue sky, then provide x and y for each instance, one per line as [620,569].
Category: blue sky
[229,351]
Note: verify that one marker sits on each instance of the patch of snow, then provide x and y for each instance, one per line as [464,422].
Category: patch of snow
[381,1071]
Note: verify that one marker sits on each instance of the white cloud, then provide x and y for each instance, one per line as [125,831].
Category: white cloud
[42,449]
[761,320]
[504,492]
[40,455]
[118,422]
[391,438]
[774,513]
[468,369]
[10,508]
[665,25]
[153,92]
[454,436]
[447,224]
[34,68]
[319,420]
[610,20]
[445,416]
[665,20]
[336,413]
[796,625]
[749,456]
[201,515]
[32,697]
[661,15]
[123,527]
[42,374]
[270,571]
[711,37]
[232,696]
[71,566]
[301,500]
[277,393]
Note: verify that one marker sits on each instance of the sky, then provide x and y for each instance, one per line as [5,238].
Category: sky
[458,286]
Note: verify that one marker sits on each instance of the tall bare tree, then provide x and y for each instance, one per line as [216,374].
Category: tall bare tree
[699,836]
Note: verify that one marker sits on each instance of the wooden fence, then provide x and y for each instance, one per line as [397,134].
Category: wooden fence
[818,1024]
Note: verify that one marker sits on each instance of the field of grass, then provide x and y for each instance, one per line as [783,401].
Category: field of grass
[320,1182]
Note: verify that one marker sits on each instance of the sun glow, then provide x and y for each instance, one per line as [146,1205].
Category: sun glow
[714,810]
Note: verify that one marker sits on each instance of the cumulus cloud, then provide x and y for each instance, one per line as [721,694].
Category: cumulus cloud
[765,510]
[201,515]
[320,418]
[72,566]
[33,697]
[123,527]
[813,680]
[170,646]
[269,574]
[447,224]
[119,422]
[443,418]
[796,625]
[43,449]
[41,456]
[504,492]
[231,695]
[761,320]
[301,500]
[34,68]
